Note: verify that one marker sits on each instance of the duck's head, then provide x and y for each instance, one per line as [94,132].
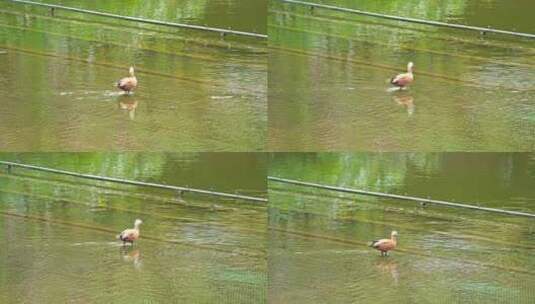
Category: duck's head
[394,233]
[410,65]
[138,222]
[131,71]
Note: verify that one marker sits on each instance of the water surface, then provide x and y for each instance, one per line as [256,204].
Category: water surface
[58,233]
[197,91]
[329,74]
[318,239]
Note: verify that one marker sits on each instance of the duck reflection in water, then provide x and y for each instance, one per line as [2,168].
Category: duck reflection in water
[388,266]
[131,255]
[128,103]
[406,100]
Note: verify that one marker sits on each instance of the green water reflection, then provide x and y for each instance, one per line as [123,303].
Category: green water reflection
[241,15]
[506,15]
[58,233]
[329,88]
[318,239]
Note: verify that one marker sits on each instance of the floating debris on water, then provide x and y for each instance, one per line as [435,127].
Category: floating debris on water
[107,93]
[113,93]
[85,244]
[221,97]
[393,89]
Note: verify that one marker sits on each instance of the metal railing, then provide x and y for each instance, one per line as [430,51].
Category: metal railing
[397,196]
[10,165]
[413,20]
[142,20]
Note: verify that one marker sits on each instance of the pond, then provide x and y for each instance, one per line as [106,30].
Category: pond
[318,242]
[58,233]
[197,91]
[329,78]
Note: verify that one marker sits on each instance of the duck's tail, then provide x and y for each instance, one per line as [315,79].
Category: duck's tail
[372,243]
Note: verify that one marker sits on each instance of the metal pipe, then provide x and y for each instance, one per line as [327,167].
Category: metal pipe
[136,183]
[128,30]
[396,196]
[413,20]
[112,231]
[138,212]
[440,77]
[106,64]
[142,20]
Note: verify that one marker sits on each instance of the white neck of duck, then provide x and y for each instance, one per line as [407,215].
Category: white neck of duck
[409,68]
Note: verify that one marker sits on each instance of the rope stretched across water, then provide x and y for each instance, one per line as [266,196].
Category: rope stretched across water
[131,182]
[413,20]
[397,196]
[142,20]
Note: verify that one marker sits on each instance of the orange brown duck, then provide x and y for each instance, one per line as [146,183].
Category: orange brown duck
[385,245]
[403,80]
[128,84]
[132,234]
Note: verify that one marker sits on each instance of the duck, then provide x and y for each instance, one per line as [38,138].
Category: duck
[128,84]
[403,80]
[132,234]
[385,245]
